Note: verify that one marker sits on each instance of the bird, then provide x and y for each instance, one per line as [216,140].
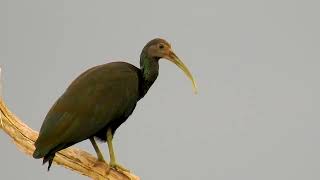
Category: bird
[99,100]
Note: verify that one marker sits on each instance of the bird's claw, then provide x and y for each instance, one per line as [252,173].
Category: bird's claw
[118,167]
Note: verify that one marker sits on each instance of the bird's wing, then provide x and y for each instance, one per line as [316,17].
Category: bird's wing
[94,99]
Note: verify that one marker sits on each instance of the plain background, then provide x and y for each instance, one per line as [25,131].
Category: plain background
[256,62]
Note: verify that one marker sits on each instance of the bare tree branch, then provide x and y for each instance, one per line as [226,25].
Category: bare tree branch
[72,158]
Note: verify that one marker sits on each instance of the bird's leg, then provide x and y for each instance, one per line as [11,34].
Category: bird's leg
[113,163]
[96,148]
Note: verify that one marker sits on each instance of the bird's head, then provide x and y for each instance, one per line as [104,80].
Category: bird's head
[160,49]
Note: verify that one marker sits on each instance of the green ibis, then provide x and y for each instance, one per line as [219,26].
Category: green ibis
[99,100]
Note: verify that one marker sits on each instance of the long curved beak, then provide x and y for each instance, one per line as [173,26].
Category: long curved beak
[175,59]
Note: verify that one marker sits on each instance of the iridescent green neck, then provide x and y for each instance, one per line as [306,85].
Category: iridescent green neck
[150,70]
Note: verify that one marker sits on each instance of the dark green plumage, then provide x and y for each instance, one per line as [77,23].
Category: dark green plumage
[101,98]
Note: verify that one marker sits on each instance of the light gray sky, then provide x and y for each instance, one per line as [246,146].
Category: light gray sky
[256,62]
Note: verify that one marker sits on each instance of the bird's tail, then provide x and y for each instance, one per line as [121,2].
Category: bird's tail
[48,158]
[37,154]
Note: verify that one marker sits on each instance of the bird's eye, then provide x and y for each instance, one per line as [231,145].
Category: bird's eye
[161,46]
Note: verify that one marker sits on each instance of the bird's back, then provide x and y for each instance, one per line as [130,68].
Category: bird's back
[94,100]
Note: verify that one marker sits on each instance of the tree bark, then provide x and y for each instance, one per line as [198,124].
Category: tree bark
[71,158]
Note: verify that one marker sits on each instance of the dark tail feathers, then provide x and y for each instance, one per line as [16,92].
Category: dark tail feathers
[46,158]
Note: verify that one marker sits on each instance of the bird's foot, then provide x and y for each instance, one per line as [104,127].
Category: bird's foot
[100,159]
[118,167]
[101,162]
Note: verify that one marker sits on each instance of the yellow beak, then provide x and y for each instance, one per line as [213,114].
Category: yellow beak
[174,58]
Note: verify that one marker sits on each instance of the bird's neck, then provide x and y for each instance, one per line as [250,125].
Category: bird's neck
[150,70]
